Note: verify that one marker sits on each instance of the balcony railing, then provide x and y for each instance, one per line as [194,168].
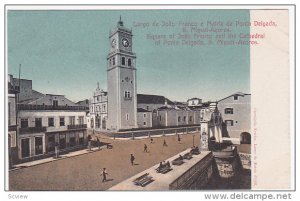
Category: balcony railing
[32,130]
[51,107]
[78,126]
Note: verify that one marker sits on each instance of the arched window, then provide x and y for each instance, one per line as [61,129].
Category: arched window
[245,138]
[129,62]
[113,61]
[123,61]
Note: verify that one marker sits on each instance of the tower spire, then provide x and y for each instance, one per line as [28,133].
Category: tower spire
[120,22]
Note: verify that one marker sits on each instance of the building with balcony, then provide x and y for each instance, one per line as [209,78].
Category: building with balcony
[39,122]
[42,127]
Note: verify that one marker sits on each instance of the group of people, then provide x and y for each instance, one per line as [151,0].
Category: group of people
[194,150]
[163,164]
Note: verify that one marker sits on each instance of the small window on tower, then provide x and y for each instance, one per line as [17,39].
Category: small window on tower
[123,61]
[129,62]
[113,61]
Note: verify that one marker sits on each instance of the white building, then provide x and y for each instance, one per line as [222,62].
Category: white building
[121,80]
[236,113]
[98,110]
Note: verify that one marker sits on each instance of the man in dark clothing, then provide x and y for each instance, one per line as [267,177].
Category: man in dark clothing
[178,138]
[132,159]
[104,173]
[165,143]
[98,143]
[145,148]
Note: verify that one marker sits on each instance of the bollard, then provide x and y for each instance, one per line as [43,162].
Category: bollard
[148,134]
[132,136]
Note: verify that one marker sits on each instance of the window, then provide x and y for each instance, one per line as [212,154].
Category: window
[123,61]
[24,123]
[127,117]
[55,103]
[25,148]
[80,120]
[51,143]
[81,138]
[104,108]
[62,141]
[38,122]
[127,94]
[38,145]
[228,111]
[145,115]
[235,97]
[72,139]
[147,107]
[229,122]
[113,61]
[159,118]
[109,62]
[145,123]
[184,119]
[97,98]
[179,119]
[61,121]
[72,120]
[191,118]
[129,62]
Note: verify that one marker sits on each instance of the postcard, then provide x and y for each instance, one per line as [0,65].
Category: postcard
[149,98]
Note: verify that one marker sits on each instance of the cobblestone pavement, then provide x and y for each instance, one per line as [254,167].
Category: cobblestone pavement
[83,172]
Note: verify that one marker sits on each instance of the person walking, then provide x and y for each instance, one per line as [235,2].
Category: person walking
[145,148]
[103,174]
[165,143]
[178,138]
[132,159]
[98,143]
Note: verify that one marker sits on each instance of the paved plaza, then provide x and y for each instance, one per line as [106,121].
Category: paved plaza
[82,172]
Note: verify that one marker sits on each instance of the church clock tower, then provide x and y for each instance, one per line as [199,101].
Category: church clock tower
[121,80]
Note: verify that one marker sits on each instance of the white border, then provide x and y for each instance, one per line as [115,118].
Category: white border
[137,196]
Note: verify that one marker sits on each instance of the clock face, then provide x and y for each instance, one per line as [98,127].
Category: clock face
[113,43]
[125,42]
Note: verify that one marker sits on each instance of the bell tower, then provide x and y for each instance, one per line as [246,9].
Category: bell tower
[121,80]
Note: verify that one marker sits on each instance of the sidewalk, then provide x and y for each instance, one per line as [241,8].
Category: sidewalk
[51,159]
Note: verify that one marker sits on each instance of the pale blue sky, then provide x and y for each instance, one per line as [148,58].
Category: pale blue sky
[64,52]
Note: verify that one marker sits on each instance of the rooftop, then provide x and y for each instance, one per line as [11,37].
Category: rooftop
[152,99]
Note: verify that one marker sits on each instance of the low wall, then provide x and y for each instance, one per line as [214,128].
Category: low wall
[152,132]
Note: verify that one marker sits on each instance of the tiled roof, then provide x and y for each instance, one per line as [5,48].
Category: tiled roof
[142,110]
[152,99]
[235,94]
